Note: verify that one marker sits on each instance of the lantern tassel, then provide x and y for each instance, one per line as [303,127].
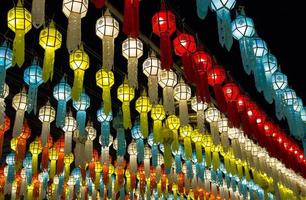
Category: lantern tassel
[133,163]
[77,84]
[2,110]
[121,142]
[224,28]
[48,65]
[144,124]
[247,55]
[81,120]
[215,133]
[18,123]
[107,101]
[126,115]
[88,150]
[34,163]
[18,48]
[157,125]
[52,168]
[233,114]
[168,100]
[45,133]
[184,118]
[188,68]
[74,34]
[220,98]
[259,75]
[215,160]
[208,156]
[202,8]
[32,99]
[147,167]
[131,18]
[132,72]
[38,13]
[175,143]
[187,148]
[44,158]
[200,121]
[199,152]
[1,143]
[165,51]
[153,89]
[140,150]
[2,79]
[68,141]
[108,53]
[60,113]
[105,131]
[167,156]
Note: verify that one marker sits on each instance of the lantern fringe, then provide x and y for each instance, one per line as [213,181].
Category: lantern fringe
[215,133]
[45,158]
[178,163]
[233,114]
[131,18]
[105,131]
[68,142]
[202,8]
[77,87]
[88,150]
[187,148]
[107,101]
[153,89]
[147,167]
[140,150]
[208,156]
[126,115]
[259,75]
[52,168]
[82,152]
[247,55]
[38,13]
[224,28]
[48,65]
[77,152]
[19,117]
[199,154]
[165,51]
[200,121]
[225,142]
[183,112]
[18,48]
[121,142]
[108,52]
[2,80]
[188,68]
[132,72]
[220,98]
[74,34]
[2,110]
[168,100]
[167,155]
[34,163]
[157,125]
[60,113]
[81,120]
[175,143]
[45,133]
[133,163]
[215,160]
[144,124]
[32,99]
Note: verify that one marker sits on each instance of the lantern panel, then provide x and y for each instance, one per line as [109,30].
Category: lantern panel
[185,131]
[173,122]
[259,47]
[50,38]
[102,117]
[183,44]
[91,133]
[297,104]
[223,124]
[212,114]
[196,136]
[104,78]
[269,63]
[62,91]
[243,26]
[35,147]
[110,140]
[151,66]
[20,101]
[143,104]
[83,103]
[164,22]
[167,78]
[19,18]
[6,56]
[70,124]
[136,132]
[132,48]
[279,81]
[46,114]
[10,158]
[303,115]
[198,106]
[79,59]
[125,93]
[75,6]
[158,112]
[33,75]
[132,148]
[217,5]
[182,92]
[289,97]
[107,26]
[230,91]
[201,61]
[216,75]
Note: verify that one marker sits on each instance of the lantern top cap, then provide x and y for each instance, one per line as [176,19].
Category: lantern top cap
[107,12]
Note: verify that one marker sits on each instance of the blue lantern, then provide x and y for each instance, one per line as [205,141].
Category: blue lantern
[6,60]
[269,63]
[243,30]
[297,124]
[279,84]
[27,164]
[289,98]
[222,8]
[202,8]
[81,106]
[137,135]
[10,161]
[118,125]
[62,93]
[105,126]
[32,76]
[177,158]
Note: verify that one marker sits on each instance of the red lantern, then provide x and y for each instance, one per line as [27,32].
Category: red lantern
[98,3]
[242,102]
[184,46]
[131,18]
[202,62]
[164,25]
[22,142]
[231,92]
[3,128]
[216,76]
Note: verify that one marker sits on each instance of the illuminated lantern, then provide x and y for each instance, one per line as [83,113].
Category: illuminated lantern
[38,13]
[3,95]
[46,116]
[182,93]
[216,76]
[107,29]
[173,123]
[19,103]
[35,149]
[19,20]
[33,78]
[10,161]
[185,133]
[6,61]
[50,39]
[79,62]
[184,46]
[243,30]
[223,8]
[147,156]
[68,159]
[279,84]
[131,18]
[143,106]
[132,49]
[197,138]
[71,182]
[168,140]
[125,94]
[158,115]
[167,80]
[150,67]
[74,10]
[105,80]
[296,124]
[231,93]
[5,126]
[81,106]
[164,25]
[62,93]
[105,126]
[70,125]
[289,101]
[91,135]
[212,115]
[199,108]
[105,150]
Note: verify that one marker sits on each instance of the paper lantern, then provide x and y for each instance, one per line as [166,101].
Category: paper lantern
[46,116]
[107,29]
[38,13]
[182,93]
[167,80]
[132,49]
[173,123]
[184,46]
[81,106]
[197,138]
[50,39]
[5,126]
[19,20]
[10,161]
[68,159]
[231,93]
[70,125]
[105,125]
[143,106]
[270,66]
[91,135]
[185,133]
[222,9]
[62,93]
[199,108]
[6,61]
[164,25]
[158,115]
[125,94]
[105,80]
[33,78]
[212,115]
[131,18]
[279,83]
[202,8]
[19,103]
[35,149]
[74,10]
[3,95]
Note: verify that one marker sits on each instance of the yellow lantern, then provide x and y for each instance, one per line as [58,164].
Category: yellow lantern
[125,94]
[19,20]
[185,133]
[98,169]
[68,159]
[158,115]
[182,93]
[53,156]
[168,140]
[19,103]
[143,106]
[197,138]
[173,123]
[50,39]
[212,115]
[35,149]
[79,62]
[105,80]
[199,107]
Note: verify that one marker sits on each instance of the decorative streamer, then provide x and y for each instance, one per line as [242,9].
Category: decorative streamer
[35,149]
[19,103]
[185,133]
[212,115]
[197,138]
[131,18]
[105,126]
[38,13]
[68,159]
[279,84]
[50,39]
[143,106]
[46,116]
[74,10]
[182,93]
[6,61]
[132,150]
[3,95]
[107,29]
[70,125]
[19,20]
[81,106]
[269,63]
[168,139]
[4,127]
[118,124]
[173,123]
[199,108]
[91,135]
[202,8]
[158,115]
[223,8]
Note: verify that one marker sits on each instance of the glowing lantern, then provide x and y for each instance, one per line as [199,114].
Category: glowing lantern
[91,135]
[223,8]
[74,10]
[216,76]
[79,62]
[279,83]
[131,18]
[164,25]
[68,159]
[62,93]
[185,133]
[33,78]
[150,67]
[35,149]
[197,138]
[81,106]
[105,126]
[10,161]
[19,20]
[70,125]
[158,115]
[5,126]
[3,95]
[107,29]
[223,128]
[143,106]
[289,102]
[125,94]
[212,116]
[105,80]
[199,108]
[167,80]
[269,63]
[38,13]
[46,116]
[184,46]
[50,39]
[147,156]
[173,123]
[20,105]
[6,61]
[231,93]
[105,150]
[182,93]
[132,49]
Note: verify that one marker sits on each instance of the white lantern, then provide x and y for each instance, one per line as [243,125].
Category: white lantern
[147,156]
[105,150]
[4,94]
[223,128]
[182,93]
[19,103]
[199,108]
[46,116]
[212,115]
[70,125]
[132,150]
[91,135]
[132,49]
